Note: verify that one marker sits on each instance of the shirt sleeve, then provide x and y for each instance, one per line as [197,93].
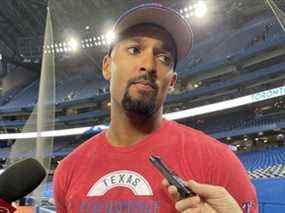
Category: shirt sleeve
[228,171]
[58,191]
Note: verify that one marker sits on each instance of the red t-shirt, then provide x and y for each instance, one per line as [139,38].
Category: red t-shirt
[98,177]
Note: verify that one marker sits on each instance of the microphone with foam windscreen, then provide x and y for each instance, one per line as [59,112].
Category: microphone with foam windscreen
[18,180]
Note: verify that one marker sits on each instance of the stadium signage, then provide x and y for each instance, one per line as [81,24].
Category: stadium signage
[264,95]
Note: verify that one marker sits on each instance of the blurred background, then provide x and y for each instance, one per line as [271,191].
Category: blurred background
[53,96]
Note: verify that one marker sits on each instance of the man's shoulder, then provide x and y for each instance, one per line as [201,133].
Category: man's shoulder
[75,162]
[195,137]
[83,151]
[177,128]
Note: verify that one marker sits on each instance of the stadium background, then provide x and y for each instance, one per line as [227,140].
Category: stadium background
[231,86]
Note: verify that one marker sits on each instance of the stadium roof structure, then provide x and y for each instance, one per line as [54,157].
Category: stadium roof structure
[21,19]
[22,23]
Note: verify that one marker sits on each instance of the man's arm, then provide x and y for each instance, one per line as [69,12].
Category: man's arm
[221,167]
[227,171]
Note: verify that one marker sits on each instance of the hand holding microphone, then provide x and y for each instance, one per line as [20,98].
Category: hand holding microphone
[193,196]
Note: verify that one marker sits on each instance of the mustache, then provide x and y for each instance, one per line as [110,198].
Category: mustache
[148,78]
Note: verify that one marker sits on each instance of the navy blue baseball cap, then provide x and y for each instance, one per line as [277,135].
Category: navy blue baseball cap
[165,17]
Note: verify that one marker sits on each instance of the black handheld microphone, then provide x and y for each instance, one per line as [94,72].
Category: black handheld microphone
[171,177]
[18,180]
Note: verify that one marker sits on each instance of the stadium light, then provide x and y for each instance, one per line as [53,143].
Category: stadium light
[73,44]
[280,137]
[195,85]
[200,9]
[110,37]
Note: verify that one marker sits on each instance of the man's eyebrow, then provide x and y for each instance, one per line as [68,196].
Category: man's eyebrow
[167,47]
[164,48]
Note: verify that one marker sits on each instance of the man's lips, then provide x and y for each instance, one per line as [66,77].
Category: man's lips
[144,84]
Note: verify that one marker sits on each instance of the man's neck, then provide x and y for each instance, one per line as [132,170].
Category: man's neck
[127,129]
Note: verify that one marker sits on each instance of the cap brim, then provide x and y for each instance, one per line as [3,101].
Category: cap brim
[167,18]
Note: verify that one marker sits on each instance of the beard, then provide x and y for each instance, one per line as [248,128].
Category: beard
[145,105]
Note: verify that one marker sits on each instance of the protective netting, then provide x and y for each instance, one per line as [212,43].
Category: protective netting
[43,115]
[279,14]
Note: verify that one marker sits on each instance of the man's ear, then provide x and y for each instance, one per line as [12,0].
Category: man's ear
[173,82]
[106,65]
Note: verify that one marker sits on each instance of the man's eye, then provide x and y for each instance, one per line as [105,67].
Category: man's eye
[165,59]
[134,50]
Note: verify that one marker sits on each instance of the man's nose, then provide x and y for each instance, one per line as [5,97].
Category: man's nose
[148,63]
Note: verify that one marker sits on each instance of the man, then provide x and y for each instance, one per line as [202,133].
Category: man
[111,171]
